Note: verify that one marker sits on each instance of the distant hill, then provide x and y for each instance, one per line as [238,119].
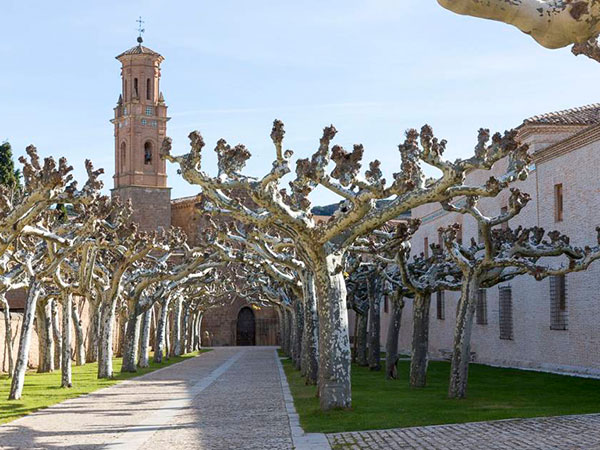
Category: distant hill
[328,210]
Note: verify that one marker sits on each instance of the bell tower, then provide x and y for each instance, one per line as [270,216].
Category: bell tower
[140,121]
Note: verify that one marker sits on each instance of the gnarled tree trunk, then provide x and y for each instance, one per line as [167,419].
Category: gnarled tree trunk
[185,329]
[161,332]
[176,332]
[94,330]
[16,388]
[310,335]
[361,339]
[288,332]
[45,340]
[67,312]
[131,343]
[299,324]
[145,338]
[374,347]
[105,347]
[56,333]
[461,350]
[79,341]
[420,340]
[198,332]
[335,390]
[7,334]
[391,344]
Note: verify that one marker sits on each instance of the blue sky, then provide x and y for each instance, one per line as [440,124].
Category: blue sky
[372,68]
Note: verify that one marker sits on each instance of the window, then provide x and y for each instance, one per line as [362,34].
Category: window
[441,307]
[123,156]
[426,247]
[505,314]
[148,153]
[558,202]
[149,110]
[558,302]
[154,123]
[124,110]
[481,310]
[148,89]
[135,88]
[504,225]
[144,121]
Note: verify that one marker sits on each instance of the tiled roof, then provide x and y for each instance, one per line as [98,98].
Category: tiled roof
[583,115]
[138,50]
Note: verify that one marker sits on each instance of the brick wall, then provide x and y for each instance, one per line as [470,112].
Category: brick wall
[534,344]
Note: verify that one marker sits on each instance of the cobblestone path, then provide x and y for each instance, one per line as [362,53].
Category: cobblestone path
[560,433]
[229,398]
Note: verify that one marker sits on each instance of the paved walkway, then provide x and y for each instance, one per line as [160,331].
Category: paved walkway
[238,398]
[558,433]
[229,398]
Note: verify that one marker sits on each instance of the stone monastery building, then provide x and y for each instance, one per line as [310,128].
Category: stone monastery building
[548,325]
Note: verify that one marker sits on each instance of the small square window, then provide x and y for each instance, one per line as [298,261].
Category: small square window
[144,122]
[149,110]
[154,124]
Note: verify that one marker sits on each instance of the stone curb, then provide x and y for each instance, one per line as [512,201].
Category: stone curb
[301,440]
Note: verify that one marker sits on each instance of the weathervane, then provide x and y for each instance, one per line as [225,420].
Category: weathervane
[140,29]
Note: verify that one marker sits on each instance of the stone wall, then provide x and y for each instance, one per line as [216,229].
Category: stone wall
[219,325]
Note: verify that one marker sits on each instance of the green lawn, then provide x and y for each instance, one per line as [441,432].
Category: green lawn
[43,389]
[494,393]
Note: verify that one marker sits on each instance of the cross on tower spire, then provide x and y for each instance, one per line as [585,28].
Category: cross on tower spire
[140,29]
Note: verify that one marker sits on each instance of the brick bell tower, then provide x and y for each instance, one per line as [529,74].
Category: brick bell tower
[140,126]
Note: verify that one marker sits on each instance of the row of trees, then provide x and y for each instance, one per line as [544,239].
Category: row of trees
[72,249]
[320,267]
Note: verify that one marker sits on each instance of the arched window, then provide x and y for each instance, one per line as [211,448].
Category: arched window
[123,156]
[148,153]
[148,89]
[135,88]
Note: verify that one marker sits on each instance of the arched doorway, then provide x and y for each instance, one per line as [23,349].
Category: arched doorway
[246,327]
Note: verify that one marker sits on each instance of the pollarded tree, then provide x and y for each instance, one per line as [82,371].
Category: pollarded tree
[383,245]
[74,275]
[499,256]
[278,257]
[419,278]
[325,244]
[121,248]
[44,251]
[552,23]
[178,262]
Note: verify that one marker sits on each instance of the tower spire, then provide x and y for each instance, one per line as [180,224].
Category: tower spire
[140,30]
